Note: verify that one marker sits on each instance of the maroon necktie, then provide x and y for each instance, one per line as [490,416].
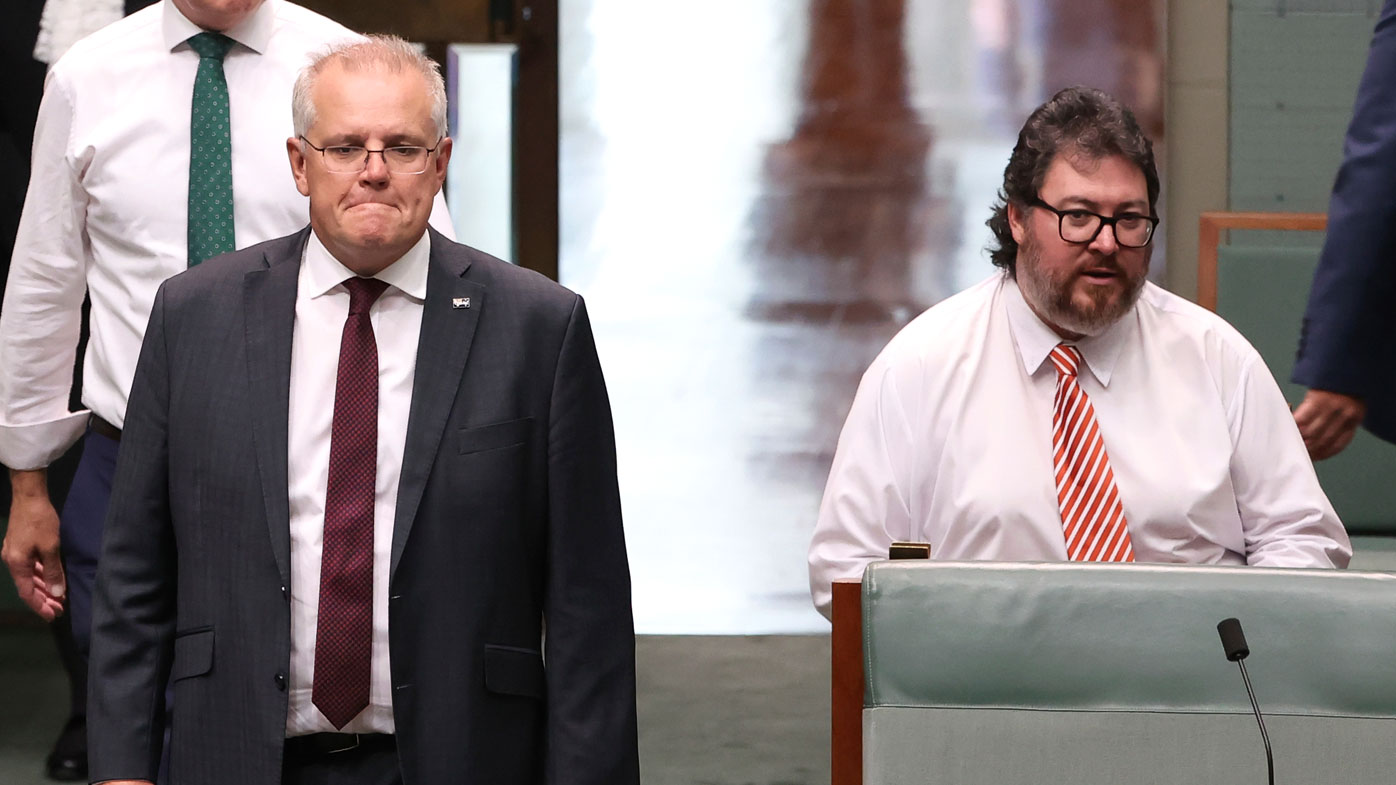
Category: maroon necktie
[344,629]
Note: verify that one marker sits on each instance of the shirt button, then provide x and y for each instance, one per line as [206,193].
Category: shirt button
[285,594]
[281,682]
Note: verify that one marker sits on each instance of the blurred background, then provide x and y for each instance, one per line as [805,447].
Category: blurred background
[755,195]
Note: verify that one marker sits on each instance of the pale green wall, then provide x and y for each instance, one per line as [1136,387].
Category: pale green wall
[1293,79]
[1259,95]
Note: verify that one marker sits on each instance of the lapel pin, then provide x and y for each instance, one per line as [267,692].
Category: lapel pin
[460,302]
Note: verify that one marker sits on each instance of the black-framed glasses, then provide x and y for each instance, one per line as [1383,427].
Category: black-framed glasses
[1132,230]
[352,159]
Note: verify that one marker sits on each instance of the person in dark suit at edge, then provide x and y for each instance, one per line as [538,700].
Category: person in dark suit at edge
[1346,355]
[363,468]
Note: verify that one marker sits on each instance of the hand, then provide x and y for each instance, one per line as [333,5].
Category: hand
[1328,421]
[31,546]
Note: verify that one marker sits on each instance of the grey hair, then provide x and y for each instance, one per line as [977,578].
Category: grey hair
[373,51]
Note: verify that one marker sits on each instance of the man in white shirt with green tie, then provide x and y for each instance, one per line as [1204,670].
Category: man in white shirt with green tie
[160,142]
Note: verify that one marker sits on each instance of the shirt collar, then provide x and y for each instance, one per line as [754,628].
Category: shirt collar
[254,32]
[408,274]
[1036,340]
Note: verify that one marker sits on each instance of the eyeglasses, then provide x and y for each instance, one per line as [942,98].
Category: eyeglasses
[352,159]
[1078,226]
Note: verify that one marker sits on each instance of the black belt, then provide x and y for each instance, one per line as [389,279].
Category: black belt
[304,749]
[103,428]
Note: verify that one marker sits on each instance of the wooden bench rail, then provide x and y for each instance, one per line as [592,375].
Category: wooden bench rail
[1210,225]
[846,722]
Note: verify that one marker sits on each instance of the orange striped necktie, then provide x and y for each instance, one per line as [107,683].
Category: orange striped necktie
[1093,520]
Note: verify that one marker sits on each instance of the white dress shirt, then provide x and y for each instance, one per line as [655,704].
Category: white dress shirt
[322,305]
[949,441]
[106,211]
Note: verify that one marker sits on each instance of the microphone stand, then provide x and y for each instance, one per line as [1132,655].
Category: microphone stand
[1265,737]
[1234,643]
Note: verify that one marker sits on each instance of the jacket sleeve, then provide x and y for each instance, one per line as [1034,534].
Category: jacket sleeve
[1346,345]
[134,601]
[590,641]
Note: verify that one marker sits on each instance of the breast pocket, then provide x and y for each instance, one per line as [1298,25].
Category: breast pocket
[496,436]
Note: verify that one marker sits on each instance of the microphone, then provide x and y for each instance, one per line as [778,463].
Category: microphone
[1234,644]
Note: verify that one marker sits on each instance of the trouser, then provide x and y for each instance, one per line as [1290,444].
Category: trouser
[80,531]
[60,478]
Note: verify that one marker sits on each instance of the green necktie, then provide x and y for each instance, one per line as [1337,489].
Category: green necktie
[210,153]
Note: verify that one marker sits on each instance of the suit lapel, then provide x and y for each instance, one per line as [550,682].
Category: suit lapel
[448,327]
[269,308]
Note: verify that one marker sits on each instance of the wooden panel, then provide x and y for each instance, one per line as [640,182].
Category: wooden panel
[846,722]
[536,137]
[1211,225]
[446,21]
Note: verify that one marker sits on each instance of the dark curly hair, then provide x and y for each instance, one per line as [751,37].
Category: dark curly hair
[1083,120]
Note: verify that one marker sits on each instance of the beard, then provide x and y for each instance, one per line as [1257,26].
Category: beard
[1052,294]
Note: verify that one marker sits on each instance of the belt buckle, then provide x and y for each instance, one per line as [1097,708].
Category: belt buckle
[354,745]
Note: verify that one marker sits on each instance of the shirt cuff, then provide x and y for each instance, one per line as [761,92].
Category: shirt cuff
[36,445]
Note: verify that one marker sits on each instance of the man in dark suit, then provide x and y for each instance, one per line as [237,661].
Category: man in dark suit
[363,468]
[1347,357]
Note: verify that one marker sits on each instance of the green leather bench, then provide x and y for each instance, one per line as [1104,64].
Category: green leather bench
[1262,290]
[989,673]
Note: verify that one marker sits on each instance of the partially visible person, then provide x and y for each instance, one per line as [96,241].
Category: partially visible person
[1066,408]
[365,515]
[1347,357]
[155,149]
[20,92]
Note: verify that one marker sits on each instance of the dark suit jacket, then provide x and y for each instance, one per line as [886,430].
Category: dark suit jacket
[508,517]
[1348,341]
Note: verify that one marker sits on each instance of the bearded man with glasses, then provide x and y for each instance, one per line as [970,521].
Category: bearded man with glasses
[1066,408]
